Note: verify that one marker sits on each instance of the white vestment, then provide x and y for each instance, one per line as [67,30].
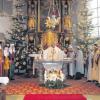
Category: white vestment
[72,64]
[99,71]
[80,62]
[90,56]
[53,54]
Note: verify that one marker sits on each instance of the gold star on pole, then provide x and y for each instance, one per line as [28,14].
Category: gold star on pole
[48,22]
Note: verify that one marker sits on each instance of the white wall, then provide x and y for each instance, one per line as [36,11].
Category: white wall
[5,25]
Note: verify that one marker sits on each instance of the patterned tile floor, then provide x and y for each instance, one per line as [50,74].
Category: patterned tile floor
[22,86]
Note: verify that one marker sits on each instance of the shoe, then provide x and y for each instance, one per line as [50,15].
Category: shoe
[94,81]
[89,81]
[71,77]
[98,84]
[34,76]
[12,79]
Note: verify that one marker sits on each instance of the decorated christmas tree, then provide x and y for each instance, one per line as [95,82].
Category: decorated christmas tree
[84,25]
[19,37]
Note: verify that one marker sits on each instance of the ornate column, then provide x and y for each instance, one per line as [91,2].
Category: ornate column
[60,11]
[38,15]
[14,9]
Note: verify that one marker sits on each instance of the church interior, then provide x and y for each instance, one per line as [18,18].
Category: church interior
[49,47]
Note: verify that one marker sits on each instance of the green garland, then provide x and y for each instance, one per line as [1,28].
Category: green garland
[58,84]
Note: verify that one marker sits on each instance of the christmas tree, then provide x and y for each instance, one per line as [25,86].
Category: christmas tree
[19,36]
[84,25]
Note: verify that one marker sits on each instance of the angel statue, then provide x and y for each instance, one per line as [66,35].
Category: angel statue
[52,22]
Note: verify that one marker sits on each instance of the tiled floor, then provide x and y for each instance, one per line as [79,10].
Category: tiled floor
[17,88]
[22,86]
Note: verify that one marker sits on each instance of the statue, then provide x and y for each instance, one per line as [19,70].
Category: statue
[67,23]
[31,23]
[52,22]
[6,65]
[49,38]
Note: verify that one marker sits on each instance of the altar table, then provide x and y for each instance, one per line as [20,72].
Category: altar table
[54,97]
[48,65]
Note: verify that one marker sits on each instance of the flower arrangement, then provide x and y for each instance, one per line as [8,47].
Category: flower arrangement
[54,78]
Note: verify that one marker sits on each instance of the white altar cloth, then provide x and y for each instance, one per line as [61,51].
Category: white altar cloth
[4,80]
[52,66]
[53,72]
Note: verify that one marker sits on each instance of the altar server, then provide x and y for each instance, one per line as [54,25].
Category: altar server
[12,65]
[79,61]
[98,63]
[90,58]
[6,61]
[1,60]
[71,54]
[95,66]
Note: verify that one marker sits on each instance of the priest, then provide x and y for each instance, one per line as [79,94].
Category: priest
[98,64]
[95,65]
[79,62]
[71,54]
[52,53]
[89,58]
[6,65]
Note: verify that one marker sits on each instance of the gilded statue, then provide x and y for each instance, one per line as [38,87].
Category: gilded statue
[67,22]
[52,22]
[49,38]
[31,23]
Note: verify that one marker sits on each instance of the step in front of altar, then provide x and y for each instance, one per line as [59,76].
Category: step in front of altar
[54,97]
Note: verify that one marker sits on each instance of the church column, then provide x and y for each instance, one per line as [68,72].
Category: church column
[13,7]
[38,15]
[60,11]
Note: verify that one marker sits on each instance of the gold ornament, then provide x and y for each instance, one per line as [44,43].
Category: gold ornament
[52,22]
[48,22]
[67,22]
[31,22]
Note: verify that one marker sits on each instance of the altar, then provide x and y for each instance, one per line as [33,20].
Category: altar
[51,61]
[51,65]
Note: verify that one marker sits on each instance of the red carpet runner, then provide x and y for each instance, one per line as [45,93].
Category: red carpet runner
[54,97]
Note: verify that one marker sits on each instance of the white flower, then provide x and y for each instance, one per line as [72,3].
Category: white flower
[53,75]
